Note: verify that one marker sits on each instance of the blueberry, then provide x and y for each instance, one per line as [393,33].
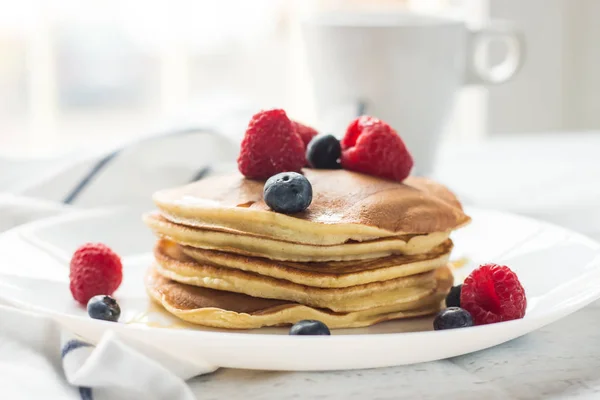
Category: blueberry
[453,317]
[309,327]
[104,307]
[323,152]
[453,298]
[288,192]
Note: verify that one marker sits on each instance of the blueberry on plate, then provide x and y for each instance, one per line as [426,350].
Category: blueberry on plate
[309,327]
[453,297]
[323,152]
[451,318]
[288,193]
[104,307]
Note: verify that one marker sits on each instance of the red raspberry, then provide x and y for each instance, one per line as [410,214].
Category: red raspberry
[270,146]
[371,146]
[95,269]
[492,293]
[306,133]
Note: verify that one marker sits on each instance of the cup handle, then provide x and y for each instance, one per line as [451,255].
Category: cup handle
[478,69]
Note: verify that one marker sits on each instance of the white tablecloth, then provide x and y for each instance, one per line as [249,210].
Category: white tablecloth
[552,177]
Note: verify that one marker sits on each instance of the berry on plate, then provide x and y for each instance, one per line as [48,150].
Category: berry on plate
[288,193]
[270,146]
[453,297]
[372,147]
[95,269]
[452,318]
[305,132]
[324,152]
[492,293]
[104,307]
[309,327]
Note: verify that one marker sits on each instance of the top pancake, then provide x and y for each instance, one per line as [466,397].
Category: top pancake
[346,206]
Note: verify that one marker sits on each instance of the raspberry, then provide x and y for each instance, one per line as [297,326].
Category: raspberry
[492,293]
[95,269]
[270,146]
[353,130]
[371,146]
[306,133]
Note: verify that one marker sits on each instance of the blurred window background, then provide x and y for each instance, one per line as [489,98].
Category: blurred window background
[96,73]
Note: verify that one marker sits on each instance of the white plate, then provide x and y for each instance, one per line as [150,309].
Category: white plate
[559,269]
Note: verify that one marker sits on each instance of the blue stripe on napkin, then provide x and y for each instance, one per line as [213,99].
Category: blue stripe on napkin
[104,161]
[201,174]
[84,392]
[71,345]
[89,176]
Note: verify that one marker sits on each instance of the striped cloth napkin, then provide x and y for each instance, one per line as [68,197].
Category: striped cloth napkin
[39,359]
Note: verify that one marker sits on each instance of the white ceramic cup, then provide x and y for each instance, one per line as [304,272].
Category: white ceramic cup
[402,68]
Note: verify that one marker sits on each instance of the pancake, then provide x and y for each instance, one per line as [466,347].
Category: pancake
[221,309]
[346,206]
[172,263]
[252,245]
[332,274]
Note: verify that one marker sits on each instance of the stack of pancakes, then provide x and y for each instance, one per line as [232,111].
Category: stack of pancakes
[366,250]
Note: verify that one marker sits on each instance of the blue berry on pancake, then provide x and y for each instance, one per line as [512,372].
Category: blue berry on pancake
[309,327]
[453,297]
[104,307]
[324,152]
[452,318]
[288,193]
